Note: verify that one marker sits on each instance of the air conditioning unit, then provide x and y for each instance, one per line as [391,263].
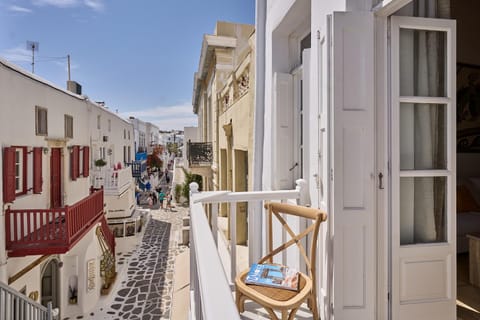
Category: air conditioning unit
[105,138]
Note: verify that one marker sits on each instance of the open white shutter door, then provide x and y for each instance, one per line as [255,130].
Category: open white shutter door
[353,166]
[282,158]
[423,268]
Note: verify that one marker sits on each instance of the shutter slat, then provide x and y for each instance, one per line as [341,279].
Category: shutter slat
[86,161]
[37,170]
[8,174]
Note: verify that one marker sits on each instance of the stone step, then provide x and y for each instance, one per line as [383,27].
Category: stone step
[185,235]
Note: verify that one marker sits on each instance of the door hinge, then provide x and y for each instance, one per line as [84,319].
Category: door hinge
[388,296]
[331,308]
[331,174]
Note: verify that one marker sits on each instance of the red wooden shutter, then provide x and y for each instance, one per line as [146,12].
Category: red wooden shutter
[74,156]
[8,174]
[86,161]
[37,170]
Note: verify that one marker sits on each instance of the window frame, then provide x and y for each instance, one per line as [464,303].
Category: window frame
[22,176]
[66,119]
[38,124]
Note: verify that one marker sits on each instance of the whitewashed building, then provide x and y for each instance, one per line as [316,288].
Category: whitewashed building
[152,136]
[55,244]
[139,134]
[359,100]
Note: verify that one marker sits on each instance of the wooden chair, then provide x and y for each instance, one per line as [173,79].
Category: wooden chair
[280,299]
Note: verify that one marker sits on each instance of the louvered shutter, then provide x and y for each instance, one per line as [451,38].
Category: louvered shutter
[283,133]
[8,174]
[37,170]
[74,162]
[86,161]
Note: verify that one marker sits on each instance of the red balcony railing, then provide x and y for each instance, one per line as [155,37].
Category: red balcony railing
[51,231]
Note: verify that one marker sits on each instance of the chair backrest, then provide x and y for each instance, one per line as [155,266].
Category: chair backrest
[275,209]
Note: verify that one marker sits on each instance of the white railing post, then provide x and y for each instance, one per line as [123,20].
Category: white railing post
[302,187]
[233,241]
[214,223]
[255,222]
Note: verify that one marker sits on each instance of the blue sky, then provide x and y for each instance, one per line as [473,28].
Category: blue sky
[139,56]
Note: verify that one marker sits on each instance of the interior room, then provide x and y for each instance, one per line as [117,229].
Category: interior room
[468,157]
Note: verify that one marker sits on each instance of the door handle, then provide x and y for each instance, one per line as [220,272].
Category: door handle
[380,181]
[296,164]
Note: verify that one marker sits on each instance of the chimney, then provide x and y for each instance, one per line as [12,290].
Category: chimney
[74,87]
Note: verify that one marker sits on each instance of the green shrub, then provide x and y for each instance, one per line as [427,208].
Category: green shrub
[178,192]
[189,178]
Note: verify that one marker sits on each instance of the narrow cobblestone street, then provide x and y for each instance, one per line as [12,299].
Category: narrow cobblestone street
[144,285]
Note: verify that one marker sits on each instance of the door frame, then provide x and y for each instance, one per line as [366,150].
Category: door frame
[54,263]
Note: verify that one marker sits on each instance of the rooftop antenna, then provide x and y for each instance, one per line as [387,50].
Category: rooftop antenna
[68,60]
[32,45]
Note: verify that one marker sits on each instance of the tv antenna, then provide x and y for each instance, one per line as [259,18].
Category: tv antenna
[32,45]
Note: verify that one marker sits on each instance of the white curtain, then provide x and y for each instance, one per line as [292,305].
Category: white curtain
[423,218]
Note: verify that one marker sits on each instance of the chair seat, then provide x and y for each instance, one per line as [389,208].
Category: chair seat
[273,297]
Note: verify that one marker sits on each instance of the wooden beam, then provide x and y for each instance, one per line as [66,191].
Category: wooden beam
[32,265]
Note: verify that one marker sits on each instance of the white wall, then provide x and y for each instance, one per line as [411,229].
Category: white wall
[18,129]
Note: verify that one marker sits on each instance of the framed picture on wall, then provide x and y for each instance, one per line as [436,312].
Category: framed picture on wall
[468,108]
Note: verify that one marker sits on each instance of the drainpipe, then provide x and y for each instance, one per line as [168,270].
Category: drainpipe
[3,252]
[255,225]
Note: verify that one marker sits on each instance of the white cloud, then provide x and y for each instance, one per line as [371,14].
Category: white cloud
[19,9]
[96,5]
[166,117]
[56,3]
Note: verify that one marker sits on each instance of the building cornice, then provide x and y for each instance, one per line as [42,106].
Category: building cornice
[209,44]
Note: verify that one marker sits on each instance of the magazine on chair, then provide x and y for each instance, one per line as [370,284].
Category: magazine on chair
[272,275]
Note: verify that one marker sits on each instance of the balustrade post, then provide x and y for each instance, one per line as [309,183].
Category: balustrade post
[302,187]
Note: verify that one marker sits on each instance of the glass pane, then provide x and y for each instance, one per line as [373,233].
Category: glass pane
[422,210]
[423,63]
[423,136]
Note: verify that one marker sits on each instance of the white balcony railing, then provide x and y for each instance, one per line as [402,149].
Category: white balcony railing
[210,280]
[16,306]
[113,181]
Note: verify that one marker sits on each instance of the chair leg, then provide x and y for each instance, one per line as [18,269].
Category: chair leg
[292,314]
[240,301]
[272,314]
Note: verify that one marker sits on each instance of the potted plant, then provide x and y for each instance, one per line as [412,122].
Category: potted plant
[72,295]
[100,162]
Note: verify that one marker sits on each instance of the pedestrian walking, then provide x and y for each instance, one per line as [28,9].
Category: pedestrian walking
[154,197]
[137,196]
[169,201]
[150,201]
[161,197]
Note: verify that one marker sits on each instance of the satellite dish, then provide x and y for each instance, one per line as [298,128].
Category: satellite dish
[33,45]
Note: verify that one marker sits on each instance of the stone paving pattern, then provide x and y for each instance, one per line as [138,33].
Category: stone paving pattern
[145,292]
